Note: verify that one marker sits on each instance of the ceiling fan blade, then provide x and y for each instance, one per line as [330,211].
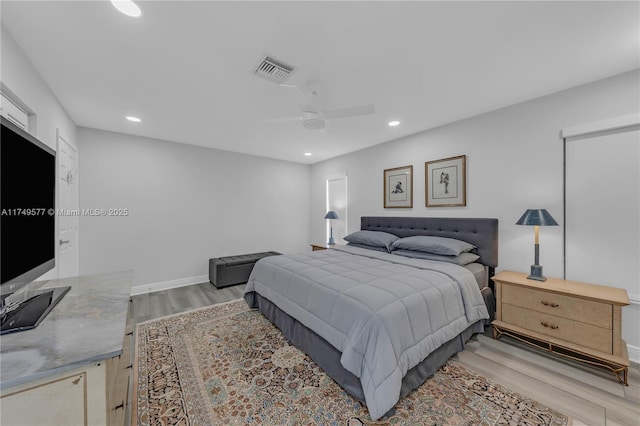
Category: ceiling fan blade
[297,96]
[350,111]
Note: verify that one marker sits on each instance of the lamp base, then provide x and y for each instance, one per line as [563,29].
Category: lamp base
[536,273]
[331,242]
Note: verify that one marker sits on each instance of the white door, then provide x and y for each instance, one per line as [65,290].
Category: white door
[603,209]
[602,240]
[68,213]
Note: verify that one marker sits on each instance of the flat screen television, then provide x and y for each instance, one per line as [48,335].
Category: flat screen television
[27,228]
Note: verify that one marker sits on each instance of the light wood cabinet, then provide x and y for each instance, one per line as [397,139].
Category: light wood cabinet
[72,398]
[93,394]
[118,372]
[576,320]
[74,368]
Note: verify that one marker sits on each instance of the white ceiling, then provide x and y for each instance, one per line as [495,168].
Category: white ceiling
[185,67]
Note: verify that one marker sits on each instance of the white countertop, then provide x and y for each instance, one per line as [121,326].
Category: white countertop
[87,325]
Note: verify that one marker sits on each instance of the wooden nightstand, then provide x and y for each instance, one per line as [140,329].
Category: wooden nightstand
[572,319]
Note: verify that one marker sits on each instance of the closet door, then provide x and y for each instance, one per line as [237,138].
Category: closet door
[602,216]
[603,209]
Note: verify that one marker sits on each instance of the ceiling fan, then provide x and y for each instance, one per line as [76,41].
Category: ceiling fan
[314,116]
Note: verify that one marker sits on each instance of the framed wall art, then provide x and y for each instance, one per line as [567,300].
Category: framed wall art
[445,182]
[398,187]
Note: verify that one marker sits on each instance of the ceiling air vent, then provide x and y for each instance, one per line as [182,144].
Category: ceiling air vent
[273,70]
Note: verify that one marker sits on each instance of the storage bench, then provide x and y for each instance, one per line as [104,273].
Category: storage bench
[230,270]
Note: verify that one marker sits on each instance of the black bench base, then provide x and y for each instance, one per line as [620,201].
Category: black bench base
[231,270]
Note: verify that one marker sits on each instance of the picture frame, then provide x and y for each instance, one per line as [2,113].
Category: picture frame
[445,182]
[398,187]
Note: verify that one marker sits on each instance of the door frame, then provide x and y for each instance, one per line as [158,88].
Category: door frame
[75,194]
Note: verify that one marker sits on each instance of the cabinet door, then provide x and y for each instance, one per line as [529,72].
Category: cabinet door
[71,398]
[61,402]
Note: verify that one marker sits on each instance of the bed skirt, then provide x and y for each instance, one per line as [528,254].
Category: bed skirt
[328,358]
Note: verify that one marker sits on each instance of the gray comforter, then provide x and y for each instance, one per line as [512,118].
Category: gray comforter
[385,313]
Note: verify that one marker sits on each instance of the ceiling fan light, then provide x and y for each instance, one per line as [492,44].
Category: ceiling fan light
[313,121]
[127,7]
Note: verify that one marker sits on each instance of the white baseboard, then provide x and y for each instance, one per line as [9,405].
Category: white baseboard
[634,353]
[166,285]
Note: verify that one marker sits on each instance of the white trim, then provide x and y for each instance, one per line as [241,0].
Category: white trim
[334,178]
[337,176]
[166,285]
[60,136]
[601,126]
[634,353]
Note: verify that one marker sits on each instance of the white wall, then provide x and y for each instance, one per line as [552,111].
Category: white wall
[21,79]
[186,204]
[514,162]
[24,81]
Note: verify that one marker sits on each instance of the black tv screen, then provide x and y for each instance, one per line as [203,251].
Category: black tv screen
[27,207]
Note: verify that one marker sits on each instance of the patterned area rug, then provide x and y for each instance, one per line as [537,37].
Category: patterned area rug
[228,365]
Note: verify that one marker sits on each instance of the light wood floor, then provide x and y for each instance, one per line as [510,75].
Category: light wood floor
[586,394]
[149,306]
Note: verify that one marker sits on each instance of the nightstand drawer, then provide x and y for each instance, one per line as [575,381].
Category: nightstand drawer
[584,311]
[568,330]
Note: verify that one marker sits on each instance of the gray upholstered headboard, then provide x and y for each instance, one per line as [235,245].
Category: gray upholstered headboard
[481,232]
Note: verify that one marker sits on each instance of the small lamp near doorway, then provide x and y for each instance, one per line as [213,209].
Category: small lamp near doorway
[331,215]
[537,218]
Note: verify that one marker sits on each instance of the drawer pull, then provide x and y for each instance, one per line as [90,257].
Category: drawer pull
[553,305]
[547,325]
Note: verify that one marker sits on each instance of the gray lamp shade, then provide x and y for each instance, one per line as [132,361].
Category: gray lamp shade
[331,215]
[539,217]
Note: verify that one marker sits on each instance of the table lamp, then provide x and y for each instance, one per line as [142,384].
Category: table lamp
[331,215]
[537,218]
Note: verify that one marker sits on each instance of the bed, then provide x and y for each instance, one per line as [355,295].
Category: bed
[379,324]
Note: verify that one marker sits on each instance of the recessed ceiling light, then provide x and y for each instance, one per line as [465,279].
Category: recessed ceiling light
[127,7]
[134,119]
[308,154]
[393,123]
